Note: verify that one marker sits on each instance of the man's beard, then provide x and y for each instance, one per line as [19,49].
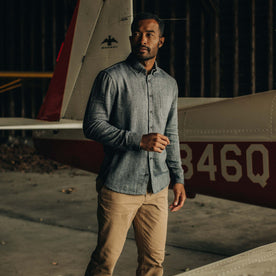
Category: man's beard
[140,57]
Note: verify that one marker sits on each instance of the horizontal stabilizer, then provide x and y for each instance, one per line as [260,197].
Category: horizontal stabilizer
[31,124]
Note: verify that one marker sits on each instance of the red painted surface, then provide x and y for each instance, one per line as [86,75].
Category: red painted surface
[60,51]
[51,107]
[249,165]
[242,171]
[82,154]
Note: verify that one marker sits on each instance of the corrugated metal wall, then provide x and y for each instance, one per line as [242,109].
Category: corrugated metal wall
[213,48]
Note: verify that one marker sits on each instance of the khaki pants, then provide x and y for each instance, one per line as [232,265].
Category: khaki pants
[116,212]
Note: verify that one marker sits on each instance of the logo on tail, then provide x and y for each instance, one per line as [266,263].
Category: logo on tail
[109,40]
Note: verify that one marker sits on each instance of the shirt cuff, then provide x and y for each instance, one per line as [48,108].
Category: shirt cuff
[133,141]
[178,179]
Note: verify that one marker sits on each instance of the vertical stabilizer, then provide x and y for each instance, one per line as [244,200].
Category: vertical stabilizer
[108,44]
[96,38]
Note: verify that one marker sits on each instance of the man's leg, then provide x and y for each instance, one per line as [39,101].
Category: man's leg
[115,215]
[150,225]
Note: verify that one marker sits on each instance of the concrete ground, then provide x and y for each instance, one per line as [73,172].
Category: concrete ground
[48,227]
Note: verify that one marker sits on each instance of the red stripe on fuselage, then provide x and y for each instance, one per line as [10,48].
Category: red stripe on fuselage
[82,154]
[241,171]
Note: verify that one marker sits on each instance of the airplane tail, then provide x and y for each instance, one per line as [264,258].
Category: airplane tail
[97,37]
[51,107]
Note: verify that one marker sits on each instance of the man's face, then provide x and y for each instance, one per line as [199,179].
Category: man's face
[145,40]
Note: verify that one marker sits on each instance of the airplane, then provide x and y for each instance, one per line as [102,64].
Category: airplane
[227,146]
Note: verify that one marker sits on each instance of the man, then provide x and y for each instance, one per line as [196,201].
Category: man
[132,111]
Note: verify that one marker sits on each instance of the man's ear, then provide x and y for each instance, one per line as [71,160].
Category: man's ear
[161,41]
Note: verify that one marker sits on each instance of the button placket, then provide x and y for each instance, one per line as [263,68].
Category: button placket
[150,118]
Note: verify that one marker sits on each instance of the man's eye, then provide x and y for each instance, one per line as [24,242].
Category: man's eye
[136,34]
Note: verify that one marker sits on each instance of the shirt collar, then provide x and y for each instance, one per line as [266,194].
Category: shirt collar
[137,66]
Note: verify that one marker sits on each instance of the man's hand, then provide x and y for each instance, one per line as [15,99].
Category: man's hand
[154,142]
[179,197]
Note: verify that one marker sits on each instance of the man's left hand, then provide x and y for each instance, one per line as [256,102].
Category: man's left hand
[179,197]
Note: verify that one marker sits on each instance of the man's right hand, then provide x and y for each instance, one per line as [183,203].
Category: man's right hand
[154,142]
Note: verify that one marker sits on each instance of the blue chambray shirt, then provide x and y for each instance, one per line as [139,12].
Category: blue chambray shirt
[126,103]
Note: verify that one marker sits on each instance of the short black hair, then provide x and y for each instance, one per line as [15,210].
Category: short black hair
[147,15]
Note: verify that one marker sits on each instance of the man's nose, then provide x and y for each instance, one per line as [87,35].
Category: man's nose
[143,39]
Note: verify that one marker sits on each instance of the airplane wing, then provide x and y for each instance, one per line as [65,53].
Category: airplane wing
[32,124]
[255,262]
[18,123]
